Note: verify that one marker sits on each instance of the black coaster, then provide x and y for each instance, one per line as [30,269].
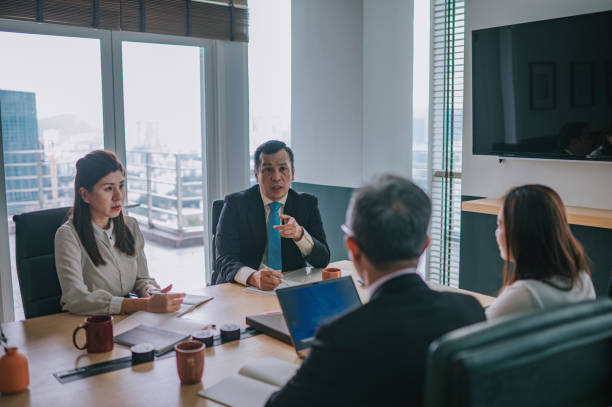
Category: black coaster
[205,336]
[229,332]
[142,353]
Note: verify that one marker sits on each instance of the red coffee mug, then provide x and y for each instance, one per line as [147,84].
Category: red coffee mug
[190,361]
[330,273]
[98,334]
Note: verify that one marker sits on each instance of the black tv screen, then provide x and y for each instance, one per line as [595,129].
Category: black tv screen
[544,89]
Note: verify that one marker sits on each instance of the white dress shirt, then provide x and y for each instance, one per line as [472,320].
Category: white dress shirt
[99,290]
[305,244]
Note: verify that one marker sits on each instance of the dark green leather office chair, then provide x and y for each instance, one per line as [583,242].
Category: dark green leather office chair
[561,357]
[34,236]
[216,213]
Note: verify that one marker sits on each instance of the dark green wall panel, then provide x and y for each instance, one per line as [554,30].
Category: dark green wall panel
[333,202]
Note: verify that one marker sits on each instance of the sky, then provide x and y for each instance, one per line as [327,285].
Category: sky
[63,72]
[162,84]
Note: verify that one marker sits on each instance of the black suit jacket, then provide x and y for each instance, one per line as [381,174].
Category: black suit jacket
[241,236]
[375,355]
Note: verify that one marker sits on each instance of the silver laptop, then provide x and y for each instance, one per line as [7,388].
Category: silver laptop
[307,306]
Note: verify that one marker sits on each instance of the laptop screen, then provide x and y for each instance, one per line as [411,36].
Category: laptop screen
[307,306]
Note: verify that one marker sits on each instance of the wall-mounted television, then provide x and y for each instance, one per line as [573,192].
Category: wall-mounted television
[544,89]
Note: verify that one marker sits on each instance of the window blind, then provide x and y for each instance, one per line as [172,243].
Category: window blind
[446,134]
[217,19]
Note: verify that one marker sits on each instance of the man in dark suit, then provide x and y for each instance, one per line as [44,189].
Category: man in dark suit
[375,355]
[269,227]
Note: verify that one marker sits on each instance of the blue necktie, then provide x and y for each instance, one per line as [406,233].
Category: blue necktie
[275,260]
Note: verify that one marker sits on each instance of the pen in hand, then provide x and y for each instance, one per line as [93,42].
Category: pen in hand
[276,277]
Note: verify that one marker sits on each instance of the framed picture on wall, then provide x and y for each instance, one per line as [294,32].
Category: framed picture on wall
[542,85]
[581,84]
[608,73]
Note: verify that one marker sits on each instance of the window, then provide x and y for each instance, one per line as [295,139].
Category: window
[61,96]
[163,137]
[446,138]
[51,112]
[269,73]
[420,99]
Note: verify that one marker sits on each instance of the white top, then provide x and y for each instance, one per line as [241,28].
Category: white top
[99,290]
[528,295]
[305,244]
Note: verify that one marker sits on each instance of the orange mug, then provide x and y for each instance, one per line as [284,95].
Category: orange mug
[98,334]
[330,273]
[190,361]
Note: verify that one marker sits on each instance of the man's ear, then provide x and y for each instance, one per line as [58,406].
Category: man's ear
[353,248]
[427,243]
[256,175]
[84,194]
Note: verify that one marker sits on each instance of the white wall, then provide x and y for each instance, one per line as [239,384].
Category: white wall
[326,91]
[227,141]
[351,78]
[387,87]
[237,121]
[580,184]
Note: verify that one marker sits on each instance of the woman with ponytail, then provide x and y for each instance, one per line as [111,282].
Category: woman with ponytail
[99,252]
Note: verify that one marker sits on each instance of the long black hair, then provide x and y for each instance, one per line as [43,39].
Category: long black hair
[538,237]
[89,170]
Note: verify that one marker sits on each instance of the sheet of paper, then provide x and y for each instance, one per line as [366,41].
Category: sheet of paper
[303,275]
[284,284]
[191,302]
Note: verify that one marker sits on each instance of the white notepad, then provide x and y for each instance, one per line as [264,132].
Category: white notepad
[256,382]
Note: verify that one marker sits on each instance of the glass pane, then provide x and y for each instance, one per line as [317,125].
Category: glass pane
[51,114]
[420,98]
[162,87]
[269,73]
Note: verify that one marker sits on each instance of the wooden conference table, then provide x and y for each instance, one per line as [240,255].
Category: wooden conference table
[47,343]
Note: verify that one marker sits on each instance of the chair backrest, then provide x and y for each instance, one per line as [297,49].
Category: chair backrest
[216,214]
[35,258]
[559,357]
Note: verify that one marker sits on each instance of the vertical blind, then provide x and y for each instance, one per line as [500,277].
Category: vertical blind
[217,19]
[446,134]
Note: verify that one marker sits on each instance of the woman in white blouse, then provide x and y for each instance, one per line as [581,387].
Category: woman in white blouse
[99,252]
[549,264]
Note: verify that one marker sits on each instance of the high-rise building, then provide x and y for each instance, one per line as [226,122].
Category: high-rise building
[21,149]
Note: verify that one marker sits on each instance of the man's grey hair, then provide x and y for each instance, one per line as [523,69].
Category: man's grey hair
[389,219]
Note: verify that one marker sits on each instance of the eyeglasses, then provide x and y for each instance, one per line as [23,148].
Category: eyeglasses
[347,230]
